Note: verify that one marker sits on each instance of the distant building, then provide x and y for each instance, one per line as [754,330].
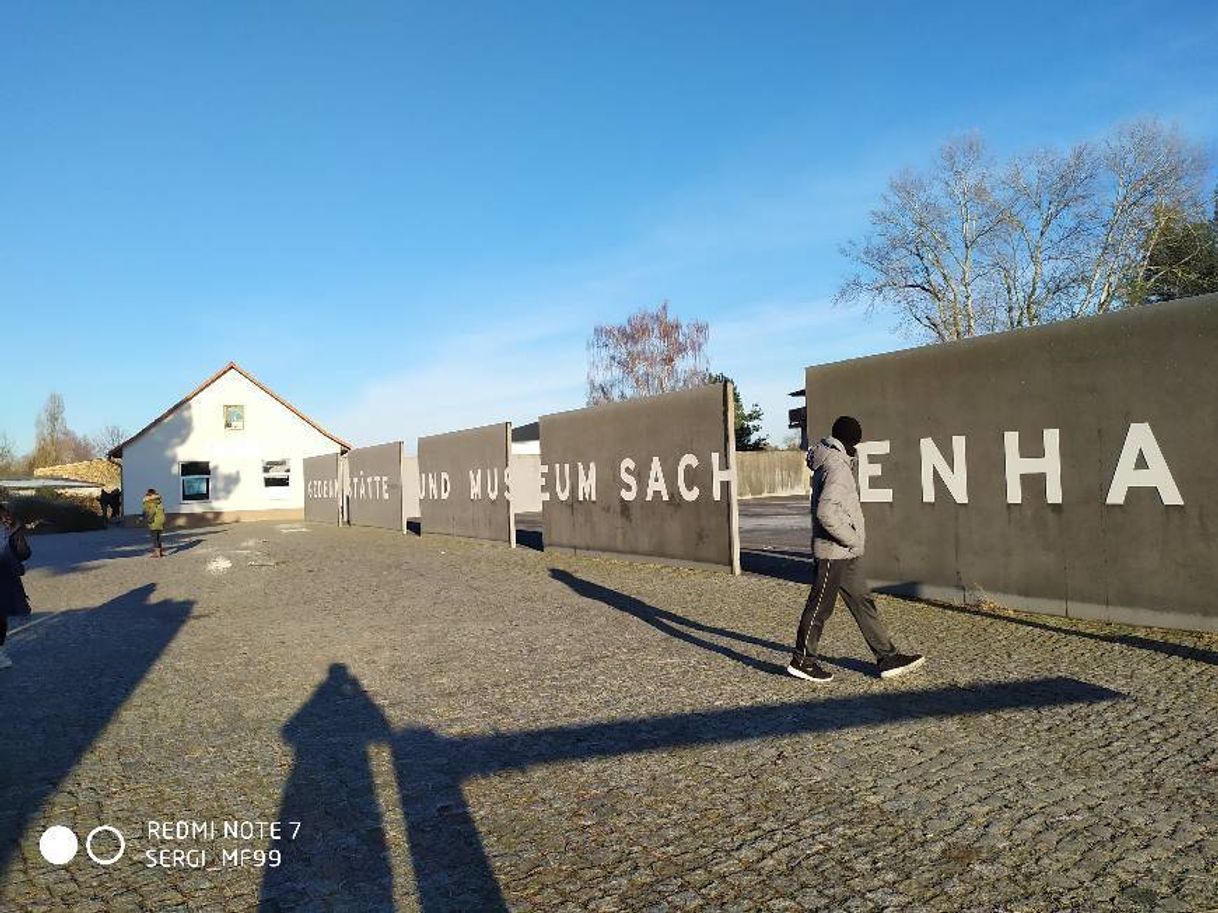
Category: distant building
[230,450]
[527,438]
[797,418]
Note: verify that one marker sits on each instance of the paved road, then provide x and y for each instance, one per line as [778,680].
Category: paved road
[466,727]
[765,523]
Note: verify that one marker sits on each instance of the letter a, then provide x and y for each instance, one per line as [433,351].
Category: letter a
[655,480]
[1141,440]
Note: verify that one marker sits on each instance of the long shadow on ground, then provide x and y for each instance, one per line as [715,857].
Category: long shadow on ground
[64,690]
[73,553]
[672,624]
[1137,641]
[345,860]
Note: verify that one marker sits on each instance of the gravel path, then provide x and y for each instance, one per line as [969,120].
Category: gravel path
[459,726]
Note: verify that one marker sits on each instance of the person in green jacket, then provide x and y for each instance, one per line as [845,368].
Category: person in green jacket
[154,515]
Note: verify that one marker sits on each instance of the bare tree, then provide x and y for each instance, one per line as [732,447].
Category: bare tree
[652,352]
[969,247]
[926,255]
[107,439]
[1143,168]
[1039,253]
[54,441]
[9,461]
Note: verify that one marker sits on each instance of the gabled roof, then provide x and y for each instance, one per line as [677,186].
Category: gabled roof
[231,366]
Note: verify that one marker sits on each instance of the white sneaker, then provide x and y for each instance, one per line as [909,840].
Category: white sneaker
[5,662]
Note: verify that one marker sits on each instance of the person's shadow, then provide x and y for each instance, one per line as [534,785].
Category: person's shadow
[339,851]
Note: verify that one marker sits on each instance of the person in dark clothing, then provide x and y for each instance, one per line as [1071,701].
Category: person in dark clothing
[838,541]
[154,515]
[14,551]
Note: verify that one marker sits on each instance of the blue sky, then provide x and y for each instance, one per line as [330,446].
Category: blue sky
[407,217]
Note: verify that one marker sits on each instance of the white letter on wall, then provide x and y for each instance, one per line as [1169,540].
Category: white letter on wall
[721,475]
[545,471]
[587,482]
[868,471]
[1049,465]
[627,473]
[655,480]
[688,492]
[475,484]
[563,491]
[1141,440]
[955,477]
[446,486]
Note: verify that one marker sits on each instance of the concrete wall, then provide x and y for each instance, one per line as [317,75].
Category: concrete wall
[768,473]
[323,491]
[464,483]
[374,486]
[526,482]
[196,433]
[635,478]
[1120,400]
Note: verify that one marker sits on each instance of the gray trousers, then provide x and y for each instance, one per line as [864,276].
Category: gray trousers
[845,577]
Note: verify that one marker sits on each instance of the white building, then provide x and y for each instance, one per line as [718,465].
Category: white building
[231,450]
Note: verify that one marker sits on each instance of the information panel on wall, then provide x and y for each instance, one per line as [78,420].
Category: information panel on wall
[651,478]
[1067,468]
[465,485]
[374,486]
[322,490]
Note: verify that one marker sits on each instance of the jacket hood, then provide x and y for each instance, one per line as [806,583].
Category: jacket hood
[152,497]
[826,449]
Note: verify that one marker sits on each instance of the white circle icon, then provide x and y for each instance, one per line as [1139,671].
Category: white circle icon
[58,845]
[105,829]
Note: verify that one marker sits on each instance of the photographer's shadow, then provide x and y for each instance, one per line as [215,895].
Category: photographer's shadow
[339,852]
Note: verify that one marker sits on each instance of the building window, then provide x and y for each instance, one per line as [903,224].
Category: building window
[234,418]
[276,473]
[196,481]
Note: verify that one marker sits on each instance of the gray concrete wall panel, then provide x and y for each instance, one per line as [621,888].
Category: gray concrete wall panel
[650,478]
[322,488]
[464,483]
[374,486]
[1132,391]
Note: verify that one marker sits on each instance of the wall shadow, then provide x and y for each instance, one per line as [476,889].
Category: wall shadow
[1137,641]
[452,870]
[794,566]
[346,857]
[71,553]
[531,539]
[674,625]
[64,690]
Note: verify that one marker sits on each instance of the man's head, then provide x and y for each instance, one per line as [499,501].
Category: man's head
[848,430]
[6,517]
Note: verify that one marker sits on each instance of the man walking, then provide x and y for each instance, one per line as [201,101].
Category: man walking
[838,540]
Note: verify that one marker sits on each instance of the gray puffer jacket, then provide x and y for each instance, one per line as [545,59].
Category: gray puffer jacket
[838,532]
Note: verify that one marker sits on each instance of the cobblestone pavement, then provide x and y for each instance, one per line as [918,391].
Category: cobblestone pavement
[465,727]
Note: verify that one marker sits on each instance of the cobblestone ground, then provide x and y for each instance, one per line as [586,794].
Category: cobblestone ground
[467,727]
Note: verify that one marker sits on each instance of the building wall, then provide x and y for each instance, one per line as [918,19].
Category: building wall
[526,480]
[410,488]
[196,432]
[769,473]
[1129,396]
